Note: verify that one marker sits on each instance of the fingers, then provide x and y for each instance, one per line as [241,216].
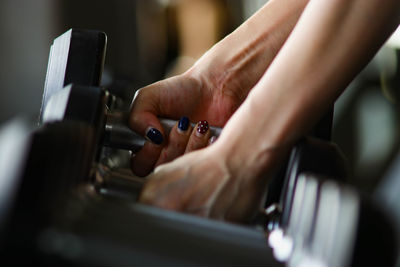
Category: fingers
[143,119]
[177,141]
[167,98]
[200,136]
[143,162]
[184,138]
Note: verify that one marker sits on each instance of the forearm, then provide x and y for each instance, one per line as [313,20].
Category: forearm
[244,55]
[332,41]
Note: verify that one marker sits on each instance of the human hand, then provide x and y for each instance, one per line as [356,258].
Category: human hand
[190,97]
[202,183]
[213,88]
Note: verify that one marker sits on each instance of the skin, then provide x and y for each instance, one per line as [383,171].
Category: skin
[328,46]
[215,86]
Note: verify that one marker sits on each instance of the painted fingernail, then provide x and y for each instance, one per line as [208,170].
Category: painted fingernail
[202,127]
[212,140]
[183,124]
[154,136]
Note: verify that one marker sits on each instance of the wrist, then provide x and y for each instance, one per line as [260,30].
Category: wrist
[237,62]
[251,163]
[249,146]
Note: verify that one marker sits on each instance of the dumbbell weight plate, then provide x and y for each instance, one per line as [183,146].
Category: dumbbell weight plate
[76,103]
[76,57]
[43,167]
[314,156]
[59,159]
[15,142]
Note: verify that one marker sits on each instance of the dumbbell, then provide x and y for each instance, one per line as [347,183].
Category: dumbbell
[72,90]
[88,104]
[323,221]
[51,216]
[72,93]
[331,224]
[40,168]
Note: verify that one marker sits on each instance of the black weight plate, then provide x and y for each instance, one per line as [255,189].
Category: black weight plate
[76,103]
[59,160]
[76,57]
[15,143]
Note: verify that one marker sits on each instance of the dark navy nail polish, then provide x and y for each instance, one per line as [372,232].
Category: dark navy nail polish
[202,127]
[155,136]
[183,124]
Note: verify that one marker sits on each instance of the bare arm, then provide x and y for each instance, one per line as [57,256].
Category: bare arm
[214,87]
[244,55]
[330,44]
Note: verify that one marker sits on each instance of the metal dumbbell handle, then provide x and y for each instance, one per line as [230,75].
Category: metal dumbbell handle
[119,135]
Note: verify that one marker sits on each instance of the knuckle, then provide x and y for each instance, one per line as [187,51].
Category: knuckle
[138,94]
[134,119]
[146,196]
[196,142]
[177,143]
[138,97]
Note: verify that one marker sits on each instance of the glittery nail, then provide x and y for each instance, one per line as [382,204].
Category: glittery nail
[202,127]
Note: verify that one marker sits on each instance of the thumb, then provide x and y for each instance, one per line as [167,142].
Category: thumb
[143,115]
[172,98]
[143,120]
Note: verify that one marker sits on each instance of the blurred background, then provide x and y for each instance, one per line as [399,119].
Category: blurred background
[153,39]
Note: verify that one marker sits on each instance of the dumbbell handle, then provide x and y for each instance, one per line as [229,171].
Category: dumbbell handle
[119,135]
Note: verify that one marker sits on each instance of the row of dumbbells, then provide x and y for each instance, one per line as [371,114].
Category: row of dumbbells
[63,187]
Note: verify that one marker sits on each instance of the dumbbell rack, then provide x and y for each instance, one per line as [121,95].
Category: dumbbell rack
[69,207]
